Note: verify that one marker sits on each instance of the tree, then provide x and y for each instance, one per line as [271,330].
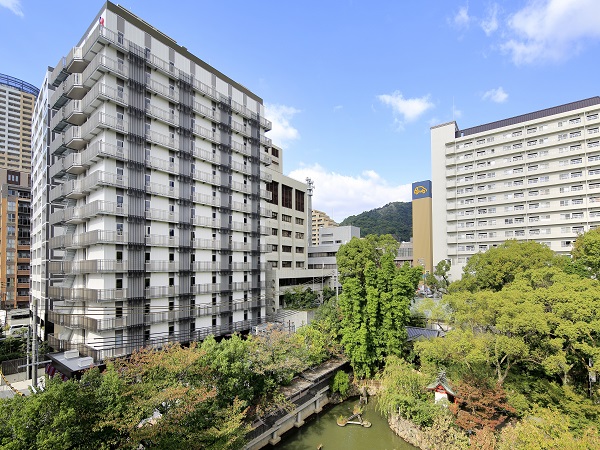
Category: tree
[403,393]
[546,429]
[499,266]
[439,280]
[300,298]
[586,252]
[375,300]
[480,405]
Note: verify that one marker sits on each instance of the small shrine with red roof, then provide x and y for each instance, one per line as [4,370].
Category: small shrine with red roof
[442,389]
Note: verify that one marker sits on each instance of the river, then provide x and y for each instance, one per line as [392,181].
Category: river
[322,429]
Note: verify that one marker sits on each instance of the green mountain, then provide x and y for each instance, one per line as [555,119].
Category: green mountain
[394,218]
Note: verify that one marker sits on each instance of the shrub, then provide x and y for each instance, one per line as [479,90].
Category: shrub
[341,383]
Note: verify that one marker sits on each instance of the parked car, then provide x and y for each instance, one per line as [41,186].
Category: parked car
[17,330]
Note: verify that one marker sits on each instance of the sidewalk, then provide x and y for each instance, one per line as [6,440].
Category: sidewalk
[21,385]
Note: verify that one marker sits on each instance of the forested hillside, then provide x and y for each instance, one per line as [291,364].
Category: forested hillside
[394,218]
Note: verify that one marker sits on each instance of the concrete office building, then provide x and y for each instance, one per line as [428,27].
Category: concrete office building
[331,239]
[289,233]
[156,162]
[405,254]
[16,109]
[15,214]
[530,177]
[320,220]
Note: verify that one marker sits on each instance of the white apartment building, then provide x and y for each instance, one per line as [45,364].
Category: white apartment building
[530,177]
[156,166]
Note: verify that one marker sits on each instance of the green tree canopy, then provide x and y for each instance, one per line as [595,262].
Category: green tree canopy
[375,300]
[586,252]
[498,266]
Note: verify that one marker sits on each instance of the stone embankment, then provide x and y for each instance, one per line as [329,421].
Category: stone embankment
[308,392]
[408,431]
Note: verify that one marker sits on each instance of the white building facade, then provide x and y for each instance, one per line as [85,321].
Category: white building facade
[156,166]
[530,177]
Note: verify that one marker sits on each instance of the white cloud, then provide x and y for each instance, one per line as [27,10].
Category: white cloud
[13,5]
[490,23]
[495,95]
[337,108]
[461,19]
[341,196]
[408,108]
[551,30]
[282,132]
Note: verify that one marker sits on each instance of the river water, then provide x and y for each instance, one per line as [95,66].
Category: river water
[322,429]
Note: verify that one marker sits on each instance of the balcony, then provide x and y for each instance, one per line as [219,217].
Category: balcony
[205,133]
[266,124]
[206,244]
[163,190]
[208,200]
[59,293]
[58,122]
[71,164]
[75,61]
[74,88]
[80,214]
[87,239]
[207,222]
[243,149]
[59,97]
[101,149]
[205,89]
[205,111]
[267,195]
[241,187]
[73,112]
[265,141]
[60,73]
[72,138]
[265,159]
[100,65]
[162,114]
[170,92]
[57,146]
[266,176]
[171,142]
[240,128]
[101,178]
[242,168]
[100,121]
[101,92]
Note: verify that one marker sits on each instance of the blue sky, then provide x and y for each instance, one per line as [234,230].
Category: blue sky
[353,86]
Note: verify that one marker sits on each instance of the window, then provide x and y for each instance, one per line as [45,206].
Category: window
[286,196]
[299,201]
[286,218]
[273,188]
[286,233]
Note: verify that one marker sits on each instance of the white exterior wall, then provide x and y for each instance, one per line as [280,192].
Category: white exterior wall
[536,179]
[125,233]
